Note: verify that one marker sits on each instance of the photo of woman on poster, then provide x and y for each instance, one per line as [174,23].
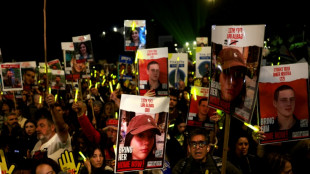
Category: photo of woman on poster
[141,137]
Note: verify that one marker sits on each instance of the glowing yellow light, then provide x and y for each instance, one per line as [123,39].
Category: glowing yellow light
[171,125]
[103,82]
[40,99]
[254,128]
[111,87]
[49,90]
[95,73]
[90,84]
[76,95]
[96,85]
[56,97]
[116,115]
[178,59]
[118,86]
[133,25]
[82,155]
[137,88]
[122,72]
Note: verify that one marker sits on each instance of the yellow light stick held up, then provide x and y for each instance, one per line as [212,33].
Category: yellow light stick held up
[76,95]
[82,155]
[118,86]
[116,115]
[96,85]
[40,99]
[56,97]
[49,90]
[111,87]
[255,129]
[133,25]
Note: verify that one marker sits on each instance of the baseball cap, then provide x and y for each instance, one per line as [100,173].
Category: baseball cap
[230,57]
[141,123]
[111,123]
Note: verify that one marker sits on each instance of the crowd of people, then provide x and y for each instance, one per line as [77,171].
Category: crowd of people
[40,126]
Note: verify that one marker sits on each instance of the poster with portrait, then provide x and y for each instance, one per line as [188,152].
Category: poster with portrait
[135,34]
[83,48]
[54,64]
[58,80]
[11,77]
[142,128]
[202,41]
[153,71]
[29,77]
[283,96]
[236,55]
[72,68]
[125,67]
[177,68]
[203,61]
[199,112]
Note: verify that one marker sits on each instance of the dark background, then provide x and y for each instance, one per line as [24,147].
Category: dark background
[21,31]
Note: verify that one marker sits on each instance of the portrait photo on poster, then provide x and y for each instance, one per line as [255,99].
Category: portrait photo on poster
[135,38]
[141,140]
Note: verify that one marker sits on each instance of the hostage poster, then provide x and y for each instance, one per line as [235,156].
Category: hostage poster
[73,69]
[236,54]
[83,48]
[177,67]
[283,102]
[125,68]
[11,77]
[203,61]
[199,112]
[135,34]
[153,71]
[142,131]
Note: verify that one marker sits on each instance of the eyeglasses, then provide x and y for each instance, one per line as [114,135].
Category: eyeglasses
[200,144]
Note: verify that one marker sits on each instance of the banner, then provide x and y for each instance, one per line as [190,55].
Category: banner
[199,111]
[283,102]
[135,34]
[178,68]
[153,70]
[142,131]
[236,55]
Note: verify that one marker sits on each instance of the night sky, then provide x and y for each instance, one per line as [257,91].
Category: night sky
[21,32]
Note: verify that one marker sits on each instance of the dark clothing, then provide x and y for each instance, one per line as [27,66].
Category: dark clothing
[190,166]
[160,90]
[276,126]
[248,164]
[96,171]
[174,150]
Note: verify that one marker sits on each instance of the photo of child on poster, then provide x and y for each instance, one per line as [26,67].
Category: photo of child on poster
[142,133]
[283,103]
[135,34]
[11,77]
[153,71]
[199,112]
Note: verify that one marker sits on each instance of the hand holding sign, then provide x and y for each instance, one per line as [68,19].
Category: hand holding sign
[67,163]
[3,165]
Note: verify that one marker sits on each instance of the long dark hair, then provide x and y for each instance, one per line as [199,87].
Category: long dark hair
[90,153]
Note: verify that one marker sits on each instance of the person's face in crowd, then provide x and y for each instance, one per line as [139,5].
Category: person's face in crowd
[83,49]
[97,159]
[231,84]
[285,104]
[173,102]
[112,133]
[142,144]
[287,168]
[198,152]
[108,109]
[5,108]
[135,35]
[94,91]
[181,127]
[44,130]
[203,108]
[97,108]
[29,77]
[153,72]
[59,110]
[12,121]
[44,169]
[81,144]
[181,85]
[242,147]
[30,128]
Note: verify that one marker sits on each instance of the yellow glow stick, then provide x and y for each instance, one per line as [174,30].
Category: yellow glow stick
[96,85]
[113,81]
[49,90]
[76,95]
[40,99]
[114,147]
[95,73]
[255,129]
[90,84]
[116,115]
[111,87]
[82,155]
[56,97]
[103,82]
[133,25]
[122,72]
[118,86]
